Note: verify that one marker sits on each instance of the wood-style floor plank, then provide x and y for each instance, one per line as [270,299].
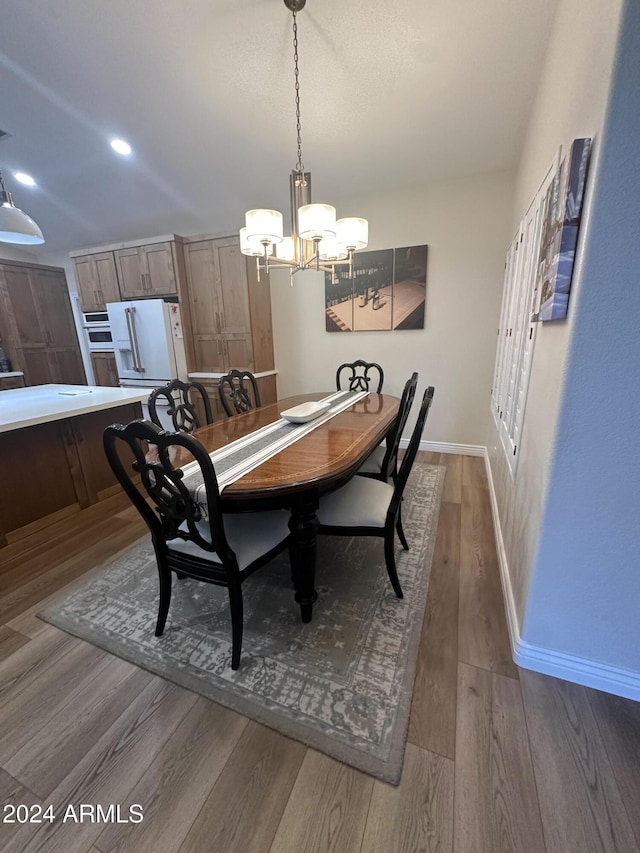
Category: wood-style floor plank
[12,793]
[110,768]
[52,749]
[246,804]
[418,814]
[10,641]
[27,711]
[483,638]
[474,473]
[618,720]
[327,809]
[432,724]
[496,802]
[452,491]
[176,785]
[581,805]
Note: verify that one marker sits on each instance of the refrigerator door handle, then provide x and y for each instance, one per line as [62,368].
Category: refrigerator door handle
[133,337]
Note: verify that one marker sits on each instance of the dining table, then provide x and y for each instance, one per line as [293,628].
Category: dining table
[296,476]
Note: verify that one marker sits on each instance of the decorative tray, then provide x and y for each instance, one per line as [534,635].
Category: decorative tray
[305,412]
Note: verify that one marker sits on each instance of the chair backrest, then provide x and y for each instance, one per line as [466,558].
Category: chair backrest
[176,514]
[390,460]
[409,457]
[238,391]
[181,407]
[356,376]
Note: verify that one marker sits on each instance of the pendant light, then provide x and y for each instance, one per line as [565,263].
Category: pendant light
[318,240]
[15,225]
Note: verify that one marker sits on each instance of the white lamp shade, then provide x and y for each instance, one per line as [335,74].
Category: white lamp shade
[253,249]
[264,226]
[353,232]
[316,221]
[330,249]
[286,250]
[17,227]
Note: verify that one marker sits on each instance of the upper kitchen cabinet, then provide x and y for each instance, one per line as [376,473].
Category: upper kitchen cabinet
[229,312]
[147,270]
[135,270]
[37,326]
[97,281]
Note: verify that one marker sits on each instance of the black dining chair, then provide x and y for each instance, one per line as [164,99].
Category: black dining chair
[181,406]
[238,391]
[382,464]
[359,376]
[367,507]
[206,545]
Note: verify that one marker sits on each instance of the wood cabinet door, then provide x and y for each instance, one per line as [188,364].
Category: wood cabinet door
[234,296]
[158,269]
[107,278]
[36,365]
[85,273]
[203,280]
[130,273]
[105,370]
[54,307]
[22,299]
[67,366]
[97,281]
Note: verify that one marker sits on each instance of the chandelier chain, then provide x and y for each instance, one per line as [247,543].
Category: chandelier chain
[299,166]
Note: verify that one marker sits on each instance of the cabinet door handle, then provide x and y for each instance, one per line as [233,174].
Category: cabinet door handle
[142,287]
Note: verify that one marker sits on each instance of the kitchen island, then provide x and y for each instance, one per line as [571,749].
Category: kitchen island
[51,456]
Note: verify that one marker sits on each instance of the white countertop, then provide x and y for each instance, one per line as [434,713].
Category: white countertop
[39,404]
[11,373]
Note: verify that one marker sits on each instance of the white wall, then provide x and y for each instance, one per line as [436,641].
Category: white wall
[571,102]
[466,226]
[10,252]
[585,591]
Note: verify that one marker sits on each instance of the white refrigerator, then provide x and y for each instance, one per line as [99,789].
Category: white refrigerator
[148,344]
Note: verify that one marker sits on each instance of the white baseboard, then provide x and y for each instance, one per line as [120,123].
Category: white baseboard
[599,676]
[446,447]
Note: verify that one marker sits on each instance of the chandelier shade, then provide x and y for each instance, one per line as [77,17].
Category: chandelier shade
[352,232]
[264,226]
[317,240]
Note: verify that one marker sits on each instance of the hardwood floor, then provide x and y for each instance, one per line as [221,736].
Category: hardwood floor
[498,760]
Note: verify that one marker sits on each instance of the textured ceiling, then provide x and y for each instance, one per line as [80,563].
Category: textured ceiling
[393,93]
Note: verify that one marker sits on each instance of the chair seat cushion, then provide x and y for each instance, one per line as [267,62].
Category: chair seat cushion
[373,464]
[249,534]
[362,502]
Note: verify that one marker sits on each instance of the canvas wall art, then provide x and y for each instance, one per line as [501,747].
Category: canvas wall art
[563,206]
[387,292]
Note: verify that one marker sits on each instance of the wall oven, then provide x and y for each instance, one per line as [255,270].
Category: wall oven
[97,330]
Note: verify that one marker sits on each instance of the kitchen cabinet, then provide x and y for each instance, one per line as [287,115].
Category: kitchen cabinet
[97,280]
[228,313]
[37,326]
[146,271]
[105,370]
[7,382]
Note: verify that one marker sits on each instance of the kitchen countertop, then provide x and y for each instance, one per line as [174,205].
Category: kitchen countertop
[11,373]
[39,404]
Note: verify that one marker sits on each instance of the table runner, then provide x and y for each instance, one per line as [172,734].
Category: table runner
[241,456]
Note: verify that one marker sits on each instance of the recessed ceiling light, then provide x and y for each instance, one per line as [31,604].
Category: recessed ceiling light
[121,146]
[24,179]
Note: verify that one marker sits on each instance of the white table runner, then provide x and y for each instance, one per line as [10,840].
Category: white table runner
[241,456]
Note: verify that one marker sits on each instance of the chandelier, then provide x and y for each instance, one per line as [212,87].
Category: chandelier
[317,241]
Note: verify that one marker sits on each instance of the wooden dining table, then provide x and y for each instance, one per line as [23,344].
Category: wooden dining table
[295,477]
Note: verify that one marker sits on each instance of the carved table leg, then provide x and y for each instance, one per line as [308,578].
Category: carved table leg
[304,526]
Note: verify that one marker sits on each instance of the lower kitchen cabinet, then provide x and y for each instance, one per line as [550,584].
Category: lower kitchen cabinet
[105,371]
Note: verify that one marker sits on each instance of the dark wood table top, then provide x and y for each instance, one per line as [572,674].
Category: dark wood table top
[328,454]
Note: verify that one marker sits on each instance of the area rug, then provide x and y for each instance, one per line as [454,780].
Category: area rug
[341,684]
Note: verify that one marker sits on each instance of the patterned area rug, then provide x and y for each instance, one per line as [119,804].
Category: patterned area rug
[341,684]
